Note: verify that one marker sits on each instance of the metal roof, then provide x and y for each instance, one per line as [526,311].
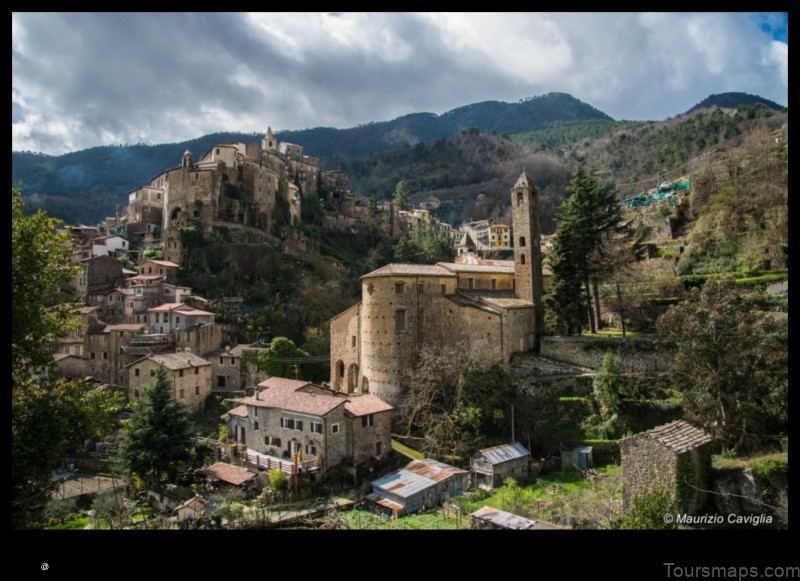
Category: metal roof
[416,476]
[509,520]
[504,453]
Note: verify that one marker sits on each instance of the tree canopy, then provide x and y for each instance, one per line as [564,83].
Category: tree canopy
[730,365]
[586,224]
[156,441]
[49,415]
[282,359]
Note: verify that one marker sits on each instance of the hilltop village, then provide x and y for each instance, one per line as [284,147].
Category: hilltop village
[145,315]
[486,304]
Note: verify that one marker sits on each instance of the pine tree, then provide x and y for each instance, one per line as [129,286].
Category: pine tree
[157,439]
[585,224]
[401,199]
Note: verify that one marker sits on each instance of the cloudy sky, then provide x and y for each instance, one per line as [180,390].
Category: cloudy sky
[86,79]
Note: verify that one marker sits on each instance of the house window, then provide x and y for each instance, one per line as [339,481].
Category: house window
[519,198]
[443,288]
[378,448]
[197,371]
[221,359]
[135,371]
[287,423]
[233,361]
[470,282]
[220,381]
[399,321]
[177,320]
[316,427]
[255,425]
[421,288]
[367,421]
[136,393]
[180,373]
[105,354]
[91,355]
[152,373]
[398,288]
[311,448]
[197,390]
[334,428]
[521,241]
[522,259]
[276,441]
[298,425]
[255,412]
[181,393]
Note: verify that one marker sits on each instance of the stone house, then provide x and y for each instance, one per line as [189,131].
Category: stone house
[190,376]
[418,485]
[288,419]
[491,308]
[111,245]
[165,268]
[491,466]
[192,509]
[676,455]
[97,275]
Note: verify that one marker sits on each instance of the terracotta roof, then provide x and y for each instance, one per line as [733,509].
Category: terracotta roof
[287,398]
[240,411]
[165,307]
[197,504]
[126,327]
[679,436]
[237,350]
[502,299]
[477,268]
[409,270]
[368,403]
[228,473]
[191,312]
[146,277]
[283,383]
[87,310]
[175,361]
[166,263]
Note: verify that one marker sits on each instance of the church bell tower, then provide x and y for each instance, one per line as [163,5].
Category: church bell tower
[527,250]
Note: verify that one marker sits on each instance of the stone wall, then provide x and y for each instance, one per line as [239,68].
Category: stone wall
[645,464]
[634,354]
[362,440]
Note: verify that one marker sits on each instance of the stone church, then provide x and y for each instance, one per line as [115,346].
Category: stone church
[490,307]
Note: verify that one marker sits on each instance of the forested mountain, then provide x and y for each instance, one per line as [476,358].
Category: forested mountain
[457,156]
[733,100]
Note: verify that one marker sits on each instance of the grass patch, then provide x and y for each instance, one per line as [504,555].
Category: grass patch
[403,449]
[76,524]
[616,333]
[751,462]
[433,519]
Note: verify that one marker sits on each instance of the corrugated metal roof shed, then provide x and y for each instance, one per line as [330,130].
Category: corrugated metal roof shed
[504,519]
[504,453]
[415,477]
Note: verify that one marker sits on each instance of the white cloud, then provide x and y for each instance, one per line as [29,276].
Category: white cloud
[85,79]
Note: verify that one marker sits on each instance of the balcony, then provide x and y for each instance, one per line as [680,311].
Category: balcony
[259,460]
